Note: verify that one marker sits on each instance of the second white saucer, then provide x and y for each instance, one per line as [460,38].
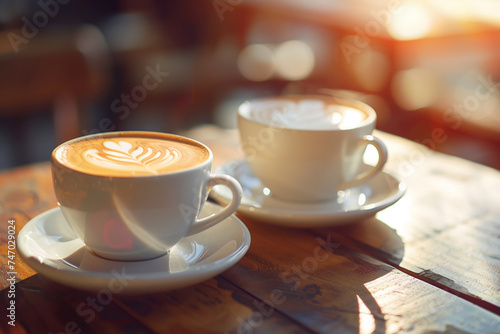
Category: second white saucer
[49,246]
[351,204]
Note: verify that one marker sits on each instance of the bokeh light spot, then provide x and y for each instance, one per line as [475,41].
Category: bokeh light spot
[294,60]
[256,62]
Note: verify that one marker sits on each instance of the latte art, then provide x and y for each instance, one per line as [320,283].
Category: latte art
[131,156]
[305,115]
[122,155]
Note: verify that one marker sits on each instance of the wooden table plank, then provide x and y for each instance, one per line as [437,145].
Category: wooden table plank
[46,307]
[217,305]
[24,193]
[331,288]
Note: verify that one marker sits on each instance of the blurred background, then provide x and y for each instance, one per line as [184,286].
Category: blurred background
[431,69]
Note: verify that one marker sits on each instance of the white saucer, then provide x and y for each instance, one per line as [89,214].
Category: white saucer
[49,246]
[351,205]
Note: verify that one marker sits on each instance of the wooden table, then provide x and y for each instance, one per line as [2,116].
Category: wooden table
[428,264]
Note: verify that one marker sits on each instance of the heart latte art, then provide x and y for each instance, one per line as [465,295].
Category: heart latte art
[128,156]
[123,155]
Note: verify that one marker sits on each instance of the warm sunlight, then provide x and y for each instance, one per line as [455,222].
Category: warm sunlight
[366,320]
[411,21]
[483,10]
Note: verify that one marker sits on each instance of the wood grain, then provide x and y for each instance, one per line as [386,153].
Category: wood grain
[217,305]
[214,306]
[45,307]
[331,288]
[24,193]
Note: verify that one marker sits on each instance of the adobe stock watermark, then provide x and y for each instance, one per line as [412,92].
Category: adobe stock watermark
[372,28]
[223,6]
[88,309]
[453,118]
[31,27]
[189,211]
[279,120]
[127,101]
[469,106]
[252,145]
[297,274]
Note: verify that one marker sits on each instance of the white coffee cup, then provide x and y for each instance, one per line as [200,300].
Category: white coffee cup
[133,195]
[306,148]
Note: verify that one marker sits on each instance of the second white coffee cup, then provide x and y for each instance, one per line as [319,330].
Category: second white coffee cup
[307,148]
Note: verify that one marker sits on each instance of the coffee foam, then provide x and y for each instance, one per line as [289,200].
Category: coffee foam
[129,156]
[305,114]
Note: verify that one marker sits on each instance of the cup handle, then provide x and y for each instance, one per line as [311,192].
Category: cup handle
[382,159]
[236,190]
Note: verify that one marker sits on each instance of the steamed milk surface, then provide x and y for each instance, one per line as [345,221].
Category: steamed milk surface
[130,156]
[306,115]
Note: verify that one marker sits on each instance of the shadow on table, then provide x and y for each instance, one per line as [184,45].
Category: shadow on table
[42,306]
[325,279]
[372,248]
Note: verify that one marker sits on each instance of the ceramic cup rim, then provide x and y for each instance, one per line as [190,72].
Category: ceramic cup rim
[146,134]
[244,109]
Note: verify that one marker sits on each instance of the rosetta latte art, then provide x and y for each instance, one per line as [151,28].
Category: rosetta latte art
[123,155]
